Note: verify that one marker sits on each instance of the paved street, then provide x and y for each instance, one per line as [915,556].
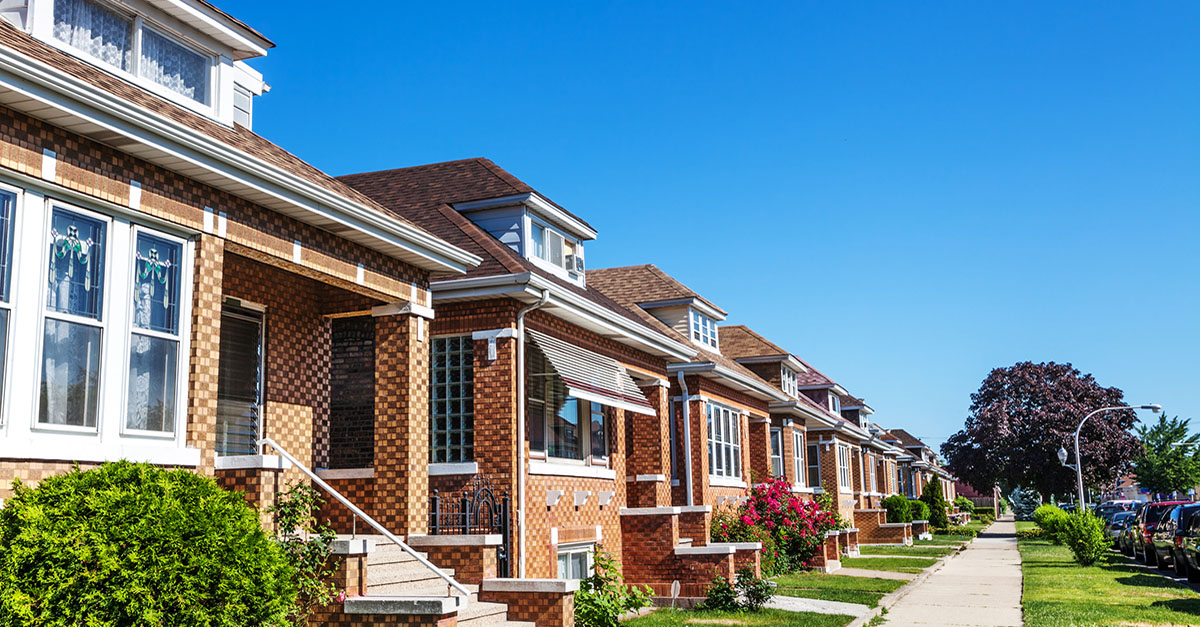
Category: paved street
[981,586]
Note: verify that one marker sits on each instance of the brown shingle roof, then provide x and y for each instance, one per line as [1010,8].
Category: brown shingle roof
[643,284]
[739,341]
[813,377]
[907,439]
[237,136]
[270,44]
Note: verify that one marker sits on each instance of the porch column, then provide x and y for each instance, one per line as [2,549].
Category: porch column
[401,420]
[204,361]
[760,451]
[649,462]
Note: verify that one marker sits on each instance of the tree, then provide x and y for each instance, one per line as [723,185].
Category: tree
[1162,467]
[932,496]
[1022,414]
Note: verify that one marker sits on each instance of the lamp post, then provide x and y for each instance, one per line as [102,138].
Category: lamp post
[1062,457]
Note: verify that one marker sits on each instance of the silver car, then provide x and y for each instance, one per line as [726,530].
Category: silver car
[1116,523]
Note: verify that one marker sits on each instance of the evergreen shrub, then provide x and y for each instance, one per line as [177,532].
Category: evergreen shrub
[932,496]
[918,510]
[1024,502]
[898,509]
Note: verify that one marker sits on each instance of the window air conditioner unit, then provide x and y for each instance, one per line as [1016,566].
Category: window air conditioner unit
[575,263]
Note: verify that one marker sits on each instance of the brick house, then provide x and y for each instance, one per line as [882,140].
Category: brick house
[920,466]
[593,466]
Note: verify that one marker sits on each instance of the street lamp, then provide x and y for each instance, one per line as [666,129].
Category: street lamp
[1154,407]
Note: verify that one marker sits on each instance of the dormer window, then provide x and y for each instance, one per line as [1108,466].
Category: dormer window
[788,381]
[125,42]
[704,329]
[835,403]
[552,247]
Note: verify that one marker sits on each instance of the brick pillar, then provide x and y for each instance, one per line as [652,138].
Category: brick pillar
[402,423]
[789,455]
[759,448]
[699,440]
[206,349]
[650,450]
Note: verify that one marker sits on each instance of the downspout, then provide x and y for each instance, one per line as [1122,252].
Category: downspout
[687,433]
[522,459]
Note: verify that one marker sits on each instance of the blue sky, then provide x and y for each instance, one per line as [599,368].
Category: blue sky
[904,194]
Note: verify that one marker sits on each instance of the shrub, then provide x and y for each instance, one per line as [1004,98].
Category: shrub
[796,527]
[826,502]
[132,544]
[603,598]
[1083,533]
[753,592]
[727,526]
[721,597]
[964,504]
[898,509]
[1031,534]
[1024,502]
[918,510]
[308,547]
[1051,519]
[932,496]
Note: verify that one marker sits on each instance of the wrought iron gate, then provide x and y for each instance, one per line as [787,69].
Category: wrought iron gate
[477,509]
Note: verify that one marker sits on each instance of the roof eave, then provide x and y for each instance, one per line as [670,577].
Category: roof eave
[751,385]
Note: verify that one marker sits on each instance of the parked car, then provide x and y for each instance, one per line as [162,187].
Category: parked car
[1106,509]
[1118,522]
[1187,562]
[1168,536]
[1147,521]
[1124,541]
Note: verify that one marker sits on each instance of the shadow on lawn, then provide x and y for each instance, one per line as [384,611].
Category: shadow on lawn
[1188,606]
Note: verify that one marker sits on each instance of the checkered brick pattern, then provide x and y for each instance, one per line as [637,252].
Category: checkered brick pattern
[361,492]
[648,449]
[351,574]
[31,472]
[544,609]
[873,528]
[471,564]
[334,617]
[204,361]
[260,487]
[401,424]
[758,448]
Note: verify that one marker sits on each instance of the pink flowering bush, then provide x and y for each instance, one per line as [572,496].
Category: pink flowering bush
[790,529]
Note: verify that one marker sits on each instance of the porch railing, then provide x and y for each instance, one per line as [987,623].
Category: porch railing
[370,521]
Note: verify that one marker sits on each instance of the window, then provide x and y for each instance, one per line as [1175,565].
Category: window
[704,329]
[126,43]
[154,334]
[71,350]
[674,442]
[8,206]
[871,470]
[575,563]
[798,457]
[452,399]
[240,381]
[814,465]
[843,460]
[558,425]
[552,247]
[835,403]
[788,379]
[724,442]
[776,453]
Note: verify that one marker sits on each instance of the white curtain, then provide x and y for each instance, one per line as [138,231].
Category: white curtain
[174,66]
[94,30]
[139,378]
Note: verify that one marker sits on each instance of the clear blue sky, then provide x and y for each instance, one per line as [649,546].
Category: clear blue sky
[905,194]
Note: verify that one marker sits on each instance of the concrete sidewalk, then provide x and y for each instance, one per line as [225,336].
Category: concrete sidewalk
[981,586]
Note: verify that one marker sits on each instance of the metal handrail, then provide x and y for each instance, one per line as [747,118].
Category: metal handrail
[370,521]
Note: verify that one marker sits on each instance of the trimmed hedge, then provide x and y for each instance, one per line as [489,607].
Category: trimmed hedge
[898,509]
[133,544]
[1052,520]
[918,510]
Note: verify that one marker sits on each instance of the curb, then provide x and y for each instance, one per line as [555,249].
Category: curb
[893,597]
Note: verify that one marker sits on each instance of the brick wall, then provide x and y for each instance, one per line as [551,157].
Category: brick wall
[352,393]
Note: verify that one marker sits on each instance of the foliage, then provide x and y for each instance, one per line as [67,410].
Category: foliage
[722,597]
[133,544]
[308,547]
[898,509]
[918,510]
[965,533]
[812,585]
[603,598]
[1164,468]
[1031,534]
[753,591]
[790,529]
[1022,414]
[1024,502]
[1083,533]
[932,496]
[1004,506]
[727,526]
[828,503]
[1052,520]
[964,504]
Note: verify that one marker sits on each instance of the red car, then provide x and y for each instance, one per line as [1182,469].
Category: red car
[1143,529]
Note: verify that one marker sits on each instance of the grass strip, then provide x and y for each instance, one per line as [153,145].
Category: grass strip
[910,551]
[898,565]
[667,617]
[863,590]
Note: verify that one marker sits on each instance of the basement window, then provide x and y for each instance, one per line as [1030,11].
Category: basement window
[576,562]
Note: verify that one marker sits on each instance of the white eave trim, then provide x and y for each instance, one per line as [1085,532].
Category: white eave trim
[218,25]
[752,385]
[797,408]
[711,311]
[537,203]
[787,360]
[44,83]
[528,286]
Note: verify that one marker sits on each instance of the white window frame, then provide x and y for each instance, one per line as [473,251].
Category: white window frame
[724,441]
[588,548]
[814,461]
[560,266]
[874,465]
[843,462]
[835,403]
[787,378]
[703,329]
[43,24]
[776,452]
[14,285]
[798,466]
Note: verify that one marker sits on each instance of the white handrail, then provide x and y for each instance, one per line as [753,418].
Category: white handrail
[370,521]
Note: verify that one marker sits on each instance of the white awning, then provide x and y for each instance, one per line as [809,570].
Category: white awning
[591,377]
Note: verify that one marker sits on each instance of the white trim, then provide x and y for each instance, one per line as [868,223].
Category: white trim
[695,509]
[725,482]
[552,586]
[89,451]
[649,511]
[539,205]
[648,478]
[741,546]
[453,468]
[494,334]
[257,462]
[490,539]
[581,497]
[49,164]
[402,309]
[334,474]
[710,549]
[403,605]
[569,470]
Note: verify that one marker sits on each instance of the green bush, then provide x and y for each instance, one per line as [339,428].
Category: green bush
[721,597]
[932,496]
[754,592]
[1083,533]
[132,544]
[1031,534]
[1051,519]
[898,509]
[309,549]
[918,510]
[603,598]
[964,504]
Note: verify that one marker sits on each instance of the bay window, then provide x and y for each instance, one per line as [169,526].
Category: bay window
[154,333]
[724,442]
[776,453]
[452,403]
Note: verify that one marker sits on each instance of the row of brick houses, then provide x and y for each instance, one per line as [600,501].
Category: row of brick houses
[426,341]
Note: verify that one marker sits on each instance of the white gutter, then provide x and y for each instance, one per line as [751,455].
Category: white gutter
[46,84]
[755,384]
[687,434]
[802,410]
[522,458]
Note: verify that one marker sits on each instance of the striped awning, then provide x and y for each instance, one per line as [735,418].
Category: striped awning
[589,376]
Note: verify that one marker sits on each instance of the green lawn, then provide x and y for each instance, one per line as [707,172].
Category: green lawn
[1025,524]
[952,541]
[1112,592]
[766,618]
[863,590]
[911,551]
[899,565]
